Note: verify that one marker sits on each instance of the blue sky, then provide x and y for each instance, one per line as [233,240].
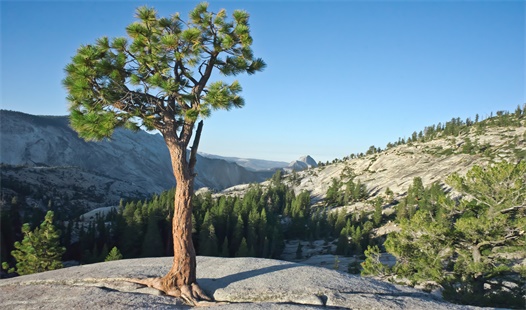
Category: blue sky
[341,75]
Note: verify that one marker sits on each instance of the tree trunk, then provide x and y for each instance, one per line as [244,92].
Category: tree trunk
[183,271]
[181,279]
[478,280]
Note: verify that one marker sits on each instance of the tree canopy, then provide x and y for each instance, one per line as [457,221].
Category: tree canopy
[158,77]
[469,246]
[40,250]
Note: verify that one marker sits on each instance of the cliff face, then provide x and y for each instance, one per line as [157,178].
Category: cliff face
[42,153]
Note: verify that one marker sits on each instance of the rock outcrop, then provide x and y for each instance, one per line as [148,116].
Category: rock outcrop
[238,283]
[396,167]
[432,161]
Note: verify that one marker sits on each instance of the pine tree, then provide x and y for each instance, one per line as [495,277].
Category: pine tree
[159,78]
[372,264]
[243,250]
[208,243]
[341,220]
[237,235]
[342,248]
[377,215]
[152,245]
[252,228]
[224,249]
[114,254]
[461,244]
[333,195]
[40,249]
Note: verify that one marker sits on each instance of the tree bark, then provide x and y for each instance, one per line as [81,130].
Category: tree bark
[183,271]
[181,280]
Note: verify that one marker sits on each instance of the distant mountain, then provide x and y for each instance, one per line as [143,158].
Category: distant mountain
[250,163]
[137,163]
[303,163]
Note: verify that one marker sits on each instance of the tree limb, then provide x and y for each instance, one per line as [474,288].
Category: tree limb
[195,145]
[186,132]
[508,210]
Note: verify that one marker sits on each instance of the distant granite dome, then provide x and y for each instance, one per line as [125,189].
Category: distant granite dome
[303,163]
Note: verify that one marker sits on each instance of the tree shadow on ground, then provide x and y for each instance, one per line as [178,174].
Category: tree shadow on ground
[210,285]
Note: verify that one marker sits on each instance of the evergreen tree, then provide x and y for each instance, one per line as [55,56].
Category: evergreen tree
[152,245]
[243,249]
[342,247]
[466,245]
[341,220]
[332,196]
[208,243]
[237,235]
[103,253]
[224,249]
[372,264]
[377,215]
[114,254]
[252,226]
[40,249]
[158,78]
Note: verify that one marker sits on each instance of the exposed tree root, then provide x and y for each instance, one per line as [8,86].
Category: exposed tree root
[191,294]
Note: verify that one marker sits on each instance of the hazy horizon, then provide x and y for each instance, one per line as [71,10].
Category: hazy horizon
[341,75]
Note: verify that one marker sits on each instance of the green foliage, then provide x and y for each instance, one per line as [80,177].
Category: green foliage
[40,249]
[114,254]
[354,267]
[377,215]
[458,127]
[152,244]
[333,195]
[253,225]
[243,250]
[336,265]
[353,192]
[372,264]
[163,65]
[465,245]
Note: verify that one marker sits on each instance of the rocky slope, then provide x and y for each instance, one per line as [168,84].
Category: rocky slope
[43,154]
[395,168]
[250,163]
[237,283]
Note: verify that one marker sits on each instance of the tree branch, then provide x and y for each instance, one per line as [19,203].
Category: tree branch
[195,145]
[204,78]
[512,235]
[186,132]
[184,71]
[508,210]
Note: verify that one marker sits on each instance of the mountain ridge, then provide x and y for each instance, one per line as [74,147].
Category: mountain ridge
[395,168]
[137,160]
